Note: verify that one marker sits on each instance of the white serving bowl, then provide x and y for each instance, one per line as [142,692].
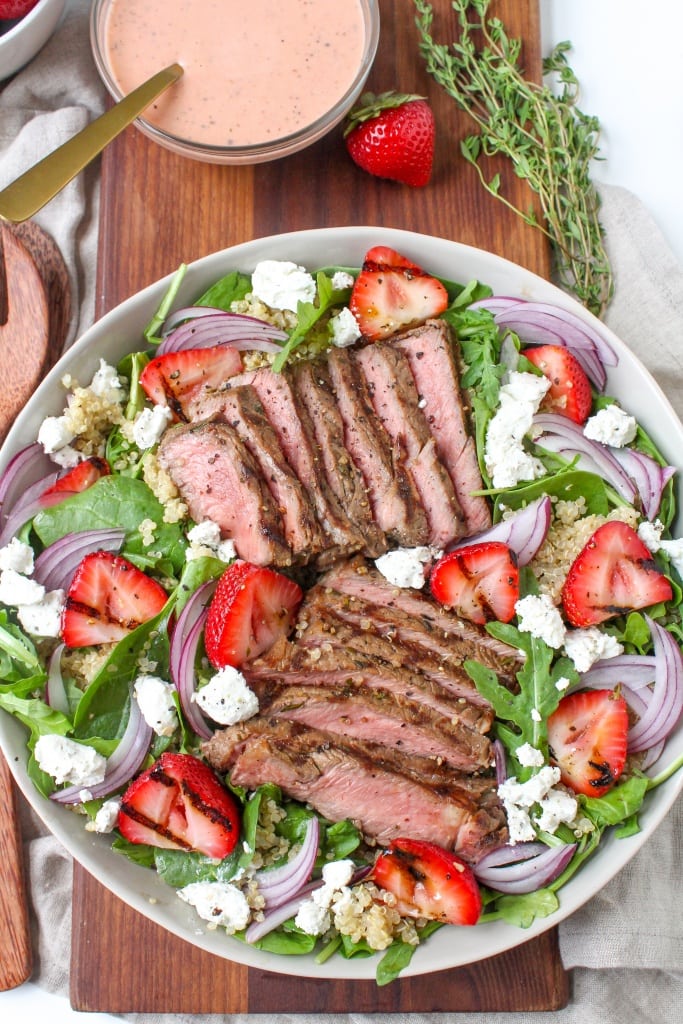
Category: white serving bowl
[119,332]
[28,35]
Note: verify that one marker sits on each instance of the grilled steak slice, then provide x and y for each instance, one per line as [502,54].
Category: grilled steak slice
[373,714]
[396,402]
[331,661]
[296,436]
[312,389]
[357,578]
[244,412]
[363,782]
[218,479]
[431,355]
[393,497]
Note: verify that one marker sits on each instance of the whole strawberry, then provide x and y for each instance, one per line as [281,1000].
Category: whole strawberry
[392,136]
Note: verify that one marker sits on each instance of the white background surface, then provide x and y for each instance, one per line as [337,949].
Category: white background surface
[628,57]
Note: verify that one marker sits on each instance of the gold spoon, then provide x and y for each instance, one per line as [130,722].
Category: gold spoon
[33,189]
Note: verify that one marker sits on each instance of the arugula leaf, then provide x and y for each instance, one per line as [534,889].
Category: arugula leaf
[308,315]
[480,341]
[538,695]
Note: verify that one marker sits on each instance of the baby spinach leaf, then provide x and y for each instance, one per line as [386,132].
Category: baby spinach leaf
[180,867]
[618,805]
[523,910]
[231,288]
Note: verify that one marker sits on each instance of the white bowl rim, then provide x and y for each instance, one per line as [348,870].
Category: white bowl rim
[448,947]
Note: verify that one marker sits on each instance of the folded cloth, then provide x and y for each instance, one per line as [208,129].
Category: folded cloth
[625,945]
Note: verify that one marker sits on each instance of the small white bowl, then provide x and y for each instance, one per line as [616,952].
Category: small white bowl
[28,35]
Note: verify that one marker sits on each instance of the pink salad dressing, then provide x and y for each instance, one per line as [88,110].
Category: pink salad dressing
[255,70]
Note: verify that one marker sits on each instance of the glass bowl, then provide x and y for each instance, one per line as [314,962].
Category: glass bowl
[127,49]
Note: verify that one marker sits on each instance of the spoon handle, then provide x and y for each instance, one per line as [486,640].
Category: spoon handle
[33,189]
[15,939]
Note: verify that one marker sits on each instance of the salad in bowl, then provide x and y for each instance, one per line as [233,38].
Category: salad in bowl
[340,584]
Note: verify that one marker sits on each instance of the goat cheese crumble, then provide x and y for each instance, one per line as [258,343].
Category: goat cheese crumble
[17,556]
[540,617]
[150,425]
[344,328]
[556,805]
[405,567]
[226,698]
[219,903]
[205,539]
[586,646]
[155,700]
[611,426]
[68,761]
[282,284]
[507,461]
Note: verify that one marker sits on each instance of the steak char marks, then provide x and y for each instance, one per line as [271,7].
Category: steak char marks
[356,451]
[370,723]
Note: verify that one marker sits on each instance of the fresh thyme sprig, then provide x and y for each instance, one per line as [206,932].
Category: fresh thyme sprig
[550,142]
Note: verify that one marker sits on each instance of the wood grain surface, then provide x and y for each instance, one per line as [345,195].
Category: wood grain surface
[159,210]
[16,961]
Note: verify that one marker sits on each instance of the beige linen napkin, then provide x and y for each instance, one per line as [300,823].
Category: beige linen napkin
[626,944]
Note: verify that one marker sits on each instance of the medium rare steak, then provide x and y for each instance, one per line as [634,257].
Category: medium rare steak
[397,404]
[376,714]
[383,792]
[313,392]
[393,497]
[430,351]
[219,479]
[243,410]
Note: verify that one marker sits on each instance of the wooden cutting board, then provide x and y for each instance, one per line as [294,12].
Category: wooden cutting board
[157,211]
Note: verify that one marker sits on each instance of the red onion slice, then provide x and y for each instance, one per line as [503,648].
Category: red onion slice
[525,875]
[55,566]
[512,853]
[666,704]
[633,670]
[524,532]
[649,477]
[558,434]
[121,766]
[23,469]
[221,328]
[281,884]
[182,654]
[55,693]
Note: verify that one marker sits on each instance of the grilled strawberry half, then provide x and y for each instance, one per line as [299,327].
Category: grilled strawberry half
[107,599]
[479,582]
[614,574]
[251,608]
[570,391]
[391,294]
[392,136]
[175,378]
[428,881]
[587,738]
[180,804]
[79,478]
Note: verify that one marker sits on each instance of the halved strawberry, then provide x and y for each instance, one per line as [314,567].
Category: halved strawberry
[428,881]
[107,599]
[391,294]
[570,391]
[612,575]
[479,582]
[174,378]
[251,607]
[180,804]
[587,738]
[81,477]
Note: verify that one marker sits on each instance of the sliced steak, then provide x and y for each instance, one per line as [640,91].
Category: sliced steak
[393,497]
[368,713]
[431,354]
[243,410]
[296,436]
[430,624]
[218,479]
[312,389]
[332,661]
[396,402]
[362,782]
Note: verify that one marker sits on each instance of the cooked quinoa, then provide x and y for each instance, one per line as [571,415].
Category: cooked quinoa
[162,486]
[569,532]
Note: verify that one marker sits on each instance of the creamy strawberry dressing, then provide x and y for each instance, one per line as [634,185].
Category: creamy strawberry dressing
[255,71]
